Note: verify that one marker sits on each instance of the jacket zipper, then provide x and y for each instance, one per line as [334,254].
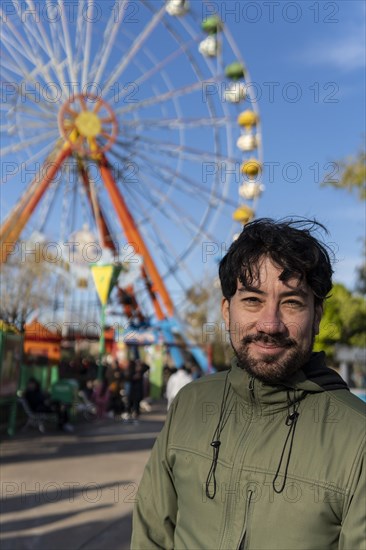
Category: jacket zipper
[251,388]
[243,537]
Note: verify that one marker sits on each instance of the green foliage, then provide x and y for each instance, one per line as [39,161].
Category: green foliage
[353,178]
[352,175]
[343,322]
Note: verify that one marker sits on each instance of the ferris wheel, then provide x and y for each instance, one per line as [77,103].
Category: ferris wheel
[132,123]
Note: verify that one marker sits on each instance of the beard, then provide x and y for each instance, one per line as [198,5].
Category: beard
[271,369]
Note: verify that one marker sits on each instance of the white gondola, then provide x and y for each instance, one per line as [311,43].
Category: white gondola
[235,92]
[177,8]
[209,47]
[251,190]
[247,142]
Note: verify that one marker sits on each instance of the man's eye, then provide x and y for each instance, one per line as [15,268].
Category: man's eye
[294,303]
[251,300]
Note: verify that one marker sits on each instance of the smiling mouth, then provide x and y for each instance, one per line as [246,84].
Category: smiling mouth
[268,343]
[270,347]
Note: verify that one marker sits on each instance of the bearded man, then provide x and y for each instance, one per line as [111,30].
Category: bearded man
[269,455]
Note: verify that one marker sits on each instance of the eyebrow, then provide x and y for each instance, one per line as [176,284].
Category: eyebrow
[295,292]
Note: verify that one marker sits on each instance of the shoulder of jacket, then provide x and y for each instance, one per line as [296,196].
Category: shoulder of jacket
[209,379]
[207,385]
[350,404]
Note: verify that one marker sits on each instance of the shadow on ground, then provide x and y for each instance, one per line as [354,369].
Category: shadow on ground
[114,535]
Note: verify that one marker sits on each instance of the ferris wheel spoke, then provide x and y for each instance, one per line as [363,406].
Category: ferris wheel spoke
[110,35]
[195,234]
[172,149]
[58,47]
[196,156]
[197,193]
[159,203]
[7,74]
[42,153]
[31,125]
[41,42]
[17,53]
[43,108]
[148,102]
[190,227]
[45,43]
[176,123]
[28,114]
[72,112]
[190,186]
[68,190]
[18,44]
[80,36]
[157,67]
[70,63]
[162,173]
[15,147]
[168,250]
[210,200]
[147,216]
[137,44]
[87,49]
[106,135]
[46,207]
[82,102]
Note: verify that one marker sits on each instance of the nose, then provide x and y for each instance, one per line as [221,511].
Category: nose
[270,320]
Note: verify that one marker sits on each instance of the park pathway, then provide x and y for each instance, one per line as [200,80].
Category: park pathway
[74,491]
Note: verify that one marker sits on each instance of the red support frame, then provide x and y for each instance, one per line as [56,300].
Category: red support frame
[14,225]
[133,235]
[12,228]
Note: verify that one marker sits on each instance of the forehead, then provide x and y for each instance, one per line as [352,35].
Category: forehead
[268,276]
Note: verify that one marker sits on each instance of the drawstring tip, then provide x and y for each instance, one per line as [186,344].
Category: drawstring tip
[292,418]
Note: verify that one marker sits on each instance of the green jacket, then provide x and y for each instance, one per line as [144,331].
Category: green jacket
[311,499]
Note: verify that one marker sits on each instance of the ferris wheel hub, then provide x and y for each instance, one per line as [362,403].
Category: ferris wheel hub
[88,124]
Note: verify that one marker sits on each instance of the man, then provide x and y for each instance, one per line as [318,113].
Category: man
[270,454]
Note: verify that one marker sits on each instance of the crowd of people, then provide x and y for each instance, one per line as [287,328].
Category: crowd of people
[122,392]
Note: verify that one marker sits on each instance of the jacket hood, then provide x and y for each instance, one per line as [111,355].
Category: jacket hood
[317,372]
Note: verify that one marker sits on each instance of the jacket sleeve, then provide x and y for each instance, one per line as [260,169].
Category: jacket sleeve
[155,511]
[353,531]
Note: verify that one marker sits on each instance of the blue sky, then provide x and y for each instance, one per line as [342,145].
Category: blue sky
[306,62]
[323,53]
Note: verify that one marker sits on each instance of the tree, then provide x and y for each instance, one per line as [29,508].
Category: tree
[343,322]
[353,178]
[29,283]
[352,175]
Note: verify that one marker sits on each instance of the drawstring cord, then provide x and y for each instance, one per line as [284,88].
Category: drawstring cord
[291,421]
[215,443]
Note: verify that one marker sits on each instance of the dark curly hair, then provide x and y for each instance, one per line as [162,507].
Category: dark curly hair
[290,245]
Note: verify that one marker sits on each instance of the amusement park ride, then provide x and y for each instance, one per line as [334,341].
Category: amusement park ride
[169,133]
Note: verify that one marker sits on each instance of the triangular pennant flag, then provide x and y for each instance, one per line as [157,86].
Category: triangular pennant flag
[104,279]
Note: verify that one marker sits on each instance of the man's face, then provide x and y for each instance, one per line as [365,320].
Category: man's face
[272,324]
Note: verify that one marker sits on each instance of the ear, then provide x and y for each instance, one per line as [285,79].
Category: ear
[318,314]
[225,310]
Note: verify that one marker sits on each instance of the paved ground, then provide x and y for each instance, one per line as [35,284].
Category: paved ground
[73,492]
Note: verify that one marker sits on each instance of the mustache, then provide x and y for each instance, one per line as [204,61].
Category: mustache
[268,339]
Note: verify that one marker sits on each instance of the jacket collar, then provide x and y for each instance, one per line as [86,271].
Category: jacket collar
[291,390]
